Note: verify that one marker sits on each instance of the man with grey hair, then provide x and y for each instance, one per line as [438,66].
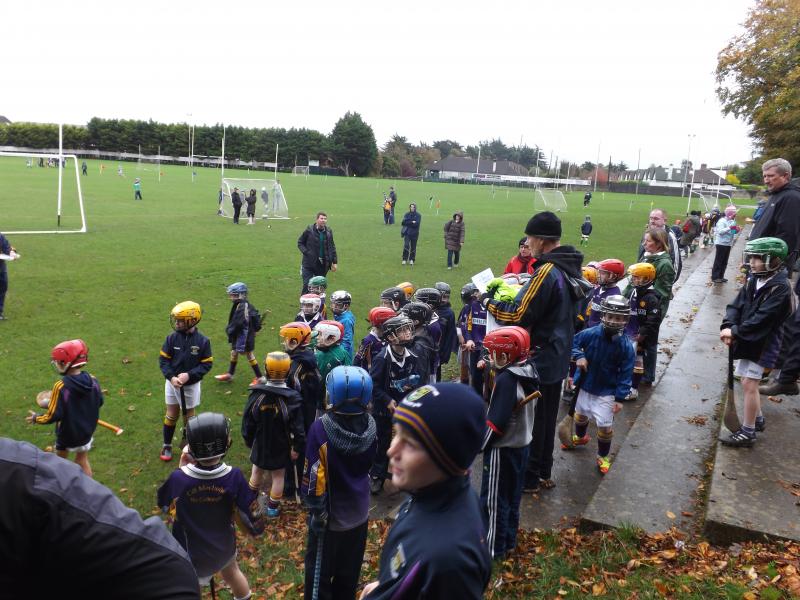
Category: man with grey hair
[658,220]
[781,219]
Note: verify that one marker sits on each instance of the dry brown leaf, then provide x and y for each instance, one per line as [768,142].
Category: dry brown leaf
[670,514]
[598,589]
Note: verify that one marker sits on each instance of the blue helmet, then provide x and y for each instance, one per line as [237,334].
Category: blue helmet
[238,289]
[349,389]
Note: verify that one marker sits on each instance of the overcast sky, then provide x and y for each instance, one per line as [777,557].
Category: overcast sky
[567,76]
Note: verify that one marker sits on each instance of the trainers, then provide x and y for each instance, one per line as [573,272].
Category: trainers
[273,513]
[404,262]
[633,395]
[577,441]
[2,318]
[224,377]
[603,464]
[411,262]
[166,453]
[776,388]
[761,424]
[375,485]
[256,381]
[740,439]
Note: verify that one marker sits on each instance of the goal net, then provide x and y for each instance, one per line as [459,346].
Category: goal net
[270,203]
[552,200]
[302,171]
[37,195]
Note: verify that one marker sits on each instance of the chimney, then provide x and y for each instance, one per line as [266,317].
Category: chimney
[703,166]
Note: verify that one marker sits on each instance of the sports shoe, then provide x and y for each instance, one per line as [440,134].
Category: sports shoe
[577,441]
[603,464]
[449,268]
[404,262]
[375,485]
[256,381]
[166,453]
[633,395]
[2,318]
[224,377]
[776,388]
[411,262]
[740,439]
[761,423]
[273,513]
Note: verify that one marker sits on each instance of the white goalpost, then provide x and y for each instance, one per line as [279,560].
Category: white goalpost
[301,171]
[271,203]
[548,199]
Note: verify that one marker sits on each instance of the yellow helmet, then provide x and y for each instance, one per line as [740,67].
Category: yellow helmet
[276,365]
[642,273]
[589,274]
[295,334]
[407,287]
[185,315]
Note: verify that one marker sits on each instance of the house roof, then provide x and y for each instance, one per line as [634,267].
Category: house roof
[703,176]
[465,164]
[4,120]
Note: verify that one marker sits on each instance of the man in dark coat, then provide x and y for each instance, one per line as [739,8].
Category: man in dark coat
[410,232]
[319,250]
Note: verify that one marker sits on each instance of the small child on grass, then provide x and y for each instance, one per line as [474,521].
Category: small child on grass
[244,322]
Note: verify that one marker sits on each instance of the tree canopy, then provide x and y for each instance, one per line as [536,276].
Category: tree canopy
[758,77]
[353,145]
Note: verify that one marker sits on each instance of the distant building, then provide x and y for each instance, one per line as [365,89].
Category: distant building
[4,120]
[674,177]
[463,167]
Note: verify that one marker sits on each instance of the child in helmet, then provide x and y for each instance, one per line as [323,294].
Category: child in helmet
[317,285]
[468,293]
[609,272]
[393,298]
[340,303]
[586,230]
[310,310]
[74,405]
[645,320]
[447,322]
[372,343]
[432,298]
[753,327]
[339,453]
[329,351]
[508,434]
[203,495]
[604,357]
[243,324]
[184,360]
[473,328]
[395,371]
[272,427]
[303,377]
[408,289]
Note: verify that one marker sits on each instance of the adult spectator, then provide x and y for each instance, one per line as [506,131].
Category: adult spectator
[655,246]
[658,220]
[546,306]
[8,250]
[724,233]
[392,201]
[410,233]
[454,239]
[522,262]
[319,250]
[781,219]
[58,521]
[690,232]
[236,200]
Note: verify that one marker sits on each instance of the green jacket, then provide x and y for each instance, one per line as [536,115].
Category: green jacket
[665,276]
[331,357]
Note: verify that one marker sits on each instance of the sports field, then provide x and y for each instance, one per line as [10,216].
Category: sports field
[115,285]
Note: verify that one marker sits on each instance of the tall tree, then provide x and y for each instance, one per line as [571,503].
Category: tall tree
[448,147]
[758,77]
[353,145]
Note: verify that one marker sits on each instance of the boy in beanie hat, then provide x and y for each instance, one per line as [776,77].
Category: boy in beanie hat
[436,547]
[546,306]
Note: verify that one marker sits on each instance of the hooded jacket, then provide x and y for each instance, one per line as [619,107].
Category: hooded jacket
[665,277]
[547,307]
[272,425]
[75,403]
[507,425]
[781,217]
[454,233]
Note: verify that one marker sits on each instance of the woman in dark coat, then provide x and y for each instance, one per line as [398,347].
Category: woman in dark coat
[410,233]
[454,239]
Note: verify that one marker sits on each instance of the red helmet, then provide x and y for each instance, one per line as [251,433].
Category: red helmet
[72,353]
[613,266]
[379,315]
[513,341]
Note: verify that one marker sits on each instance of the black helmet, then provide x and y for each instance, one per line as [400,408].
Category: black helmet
[209,435]
[394,295]
[419,312]
[468,291]
[430,296]
[394,327]
[444,289]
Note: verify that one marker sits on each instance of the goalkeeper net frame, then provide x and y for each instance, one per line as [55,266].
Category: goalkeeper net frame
[58,157]
[549,199]
[300,170]
[271,202]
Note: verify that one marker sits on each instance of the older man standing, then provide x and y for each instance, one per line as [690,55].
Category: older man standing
[658,220]
[546,306]
[319,250]
[781,219]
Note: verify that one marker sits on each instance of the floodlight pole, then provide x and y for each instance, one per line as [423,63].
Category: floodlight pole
[61,166]
[691,185]
[638,176]
[222,158]
[688,162]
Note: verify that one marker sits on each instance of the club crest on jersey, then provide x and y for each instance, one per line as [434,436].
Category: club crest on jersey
[642,303]
[194,350]
[398,561]
[413,398]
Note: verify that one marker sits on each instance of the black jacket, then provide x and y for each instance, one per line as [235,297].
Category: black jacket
[781,218]
[272,425]
[547,307]
[411,223]
[308,243]
[64,533]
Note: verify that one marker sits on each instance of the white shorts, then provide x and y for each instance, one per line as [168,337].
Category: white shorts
[599,408]
[749,369]
[172,395]
[85,448]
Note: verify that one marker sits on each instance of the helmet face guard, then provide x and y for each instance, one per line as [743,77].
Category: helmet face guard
[185,315]
[276,365]
[310,304]
[294,334]
[770,251]
[237,291]
[616,313]
[317,284]
[398,331]
[642,274]
[328,333]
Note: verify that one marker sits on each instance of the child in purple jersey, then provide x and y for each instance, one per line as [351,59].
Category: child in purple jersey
[646,315]
[609,272]
[341,447]
[203,495]
[372,343]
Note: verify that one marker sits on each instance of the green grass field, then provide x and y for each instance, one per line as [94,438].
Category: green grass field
[115,285]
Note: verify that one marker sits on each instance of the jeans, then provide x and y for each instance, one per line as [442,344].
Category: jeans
[409,248]
[450,255]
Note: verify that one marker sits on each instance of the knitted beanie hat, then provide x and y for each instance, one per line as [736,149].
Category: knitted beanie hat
[545,225]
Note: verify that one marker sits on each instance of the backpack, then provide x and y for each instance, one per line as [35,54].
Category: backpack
[255,319]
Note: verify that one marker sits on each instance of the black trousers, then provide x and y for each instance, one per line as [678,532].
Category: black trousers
[409,248]
[540,460]
[720,261]
[380,466]
[342,554]
[790,370]
[237,208]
